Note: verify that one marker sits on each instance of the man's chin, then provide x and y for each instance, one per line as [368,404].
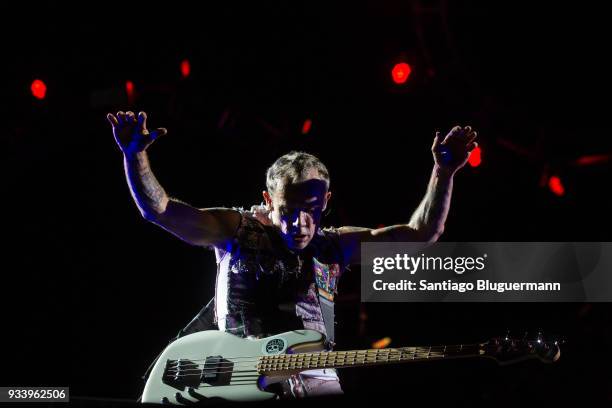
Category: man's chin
[301,246]
[299,243]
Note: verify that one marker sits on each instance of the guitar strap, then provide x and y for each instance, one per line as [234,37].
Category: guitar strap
[326,279]
[327,310]
[204,320]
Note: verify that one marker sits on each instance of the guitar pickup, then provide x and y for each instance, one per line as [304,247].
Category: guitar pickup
[181,373]
[217,371]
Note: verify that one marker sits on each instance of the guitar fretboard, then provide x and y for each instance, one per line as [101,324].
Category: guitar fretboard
[340,359]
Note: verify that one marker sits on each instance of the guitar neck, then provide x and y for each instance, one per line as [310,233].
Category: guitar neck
[285,363]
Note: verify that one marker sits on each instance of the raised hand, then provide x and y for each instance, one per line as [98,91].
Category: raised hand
[131,133]
[453,152]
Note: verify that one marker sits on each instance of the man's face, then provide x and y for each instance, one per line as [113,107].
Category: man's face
[296,209]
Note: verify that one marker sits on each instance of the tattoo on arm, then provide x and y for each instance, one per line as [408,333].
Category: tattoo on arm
[432,211]
[149,195]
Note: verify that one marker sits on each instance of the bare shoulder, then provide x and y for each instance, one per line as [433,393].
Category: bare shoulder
[352,237]
[199,226]
[352,231]
[222,212]
[224,220]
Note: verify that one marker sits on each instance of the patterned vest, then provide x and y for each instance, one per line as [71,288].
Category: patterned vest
[264,289]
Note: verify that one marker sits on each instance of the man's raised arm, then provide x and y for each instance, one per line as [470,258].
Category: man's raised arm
[213,226]
[427,222]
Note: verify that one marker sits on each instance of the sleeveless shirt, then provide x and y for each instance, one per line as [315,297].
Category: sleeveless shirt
[263,288]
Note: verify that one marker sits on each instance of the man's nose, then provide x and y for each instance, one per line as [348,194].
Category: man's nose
[301,219]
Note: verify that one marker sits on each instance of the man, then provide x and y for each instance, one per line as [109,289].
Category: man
[277,268]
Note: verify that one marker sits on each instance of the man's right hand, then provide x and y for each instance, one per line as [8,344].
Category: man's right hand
[202,227]
[131,133]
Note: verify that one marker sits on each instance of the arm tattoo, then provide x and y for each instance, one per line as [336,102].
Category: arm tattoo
[433,209]
[148,194]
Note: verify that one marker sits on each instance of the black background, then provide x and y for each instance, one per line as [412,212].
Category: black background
[93,292]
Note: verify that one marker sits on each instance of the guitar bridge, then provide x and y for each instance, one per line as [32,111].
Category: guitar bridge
[183,373]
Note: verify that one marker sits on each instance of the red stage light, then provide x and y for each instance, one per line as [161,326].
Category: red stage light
[401,72]
[475,157]
[306,126]
[39,89]
[555,185]
[185,68]
[593,159]
[129,88]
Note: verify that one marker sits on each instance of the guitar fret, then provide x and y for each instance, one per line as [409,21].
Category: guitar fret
[305,361]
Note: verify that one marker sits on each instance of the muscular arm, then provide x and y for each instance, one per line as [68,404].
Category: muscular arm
[212,226]
[148,194]
[427,222]
[430,215]
[202,227]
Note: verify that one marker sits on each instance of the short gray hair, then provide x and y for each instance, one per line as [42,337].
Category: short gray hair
[293,167]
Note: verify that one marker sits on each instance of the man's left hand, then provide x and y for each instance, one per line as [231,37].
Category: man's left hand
[453,152]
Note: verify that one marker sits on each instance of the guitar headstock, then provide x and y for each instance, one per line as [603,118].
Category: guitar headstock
[507,350]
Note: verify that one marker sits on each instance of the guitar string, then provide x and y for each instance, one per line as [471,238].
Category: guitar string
[289,358]
[363,357]
[203,370]
[385,357]
[448,347]
[241,380]
[423,350]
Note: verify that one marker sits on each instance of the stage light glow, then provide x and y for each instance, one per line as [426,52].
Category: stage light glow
[306,126]
[185,68]
[593,159]
[39,89]
[401,72]
[555,186]
[129,88]
[475,157]
[382,343]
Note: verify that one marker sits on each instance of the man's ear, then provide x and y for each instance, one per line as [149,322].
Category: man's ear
[327,197]
[267,200]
